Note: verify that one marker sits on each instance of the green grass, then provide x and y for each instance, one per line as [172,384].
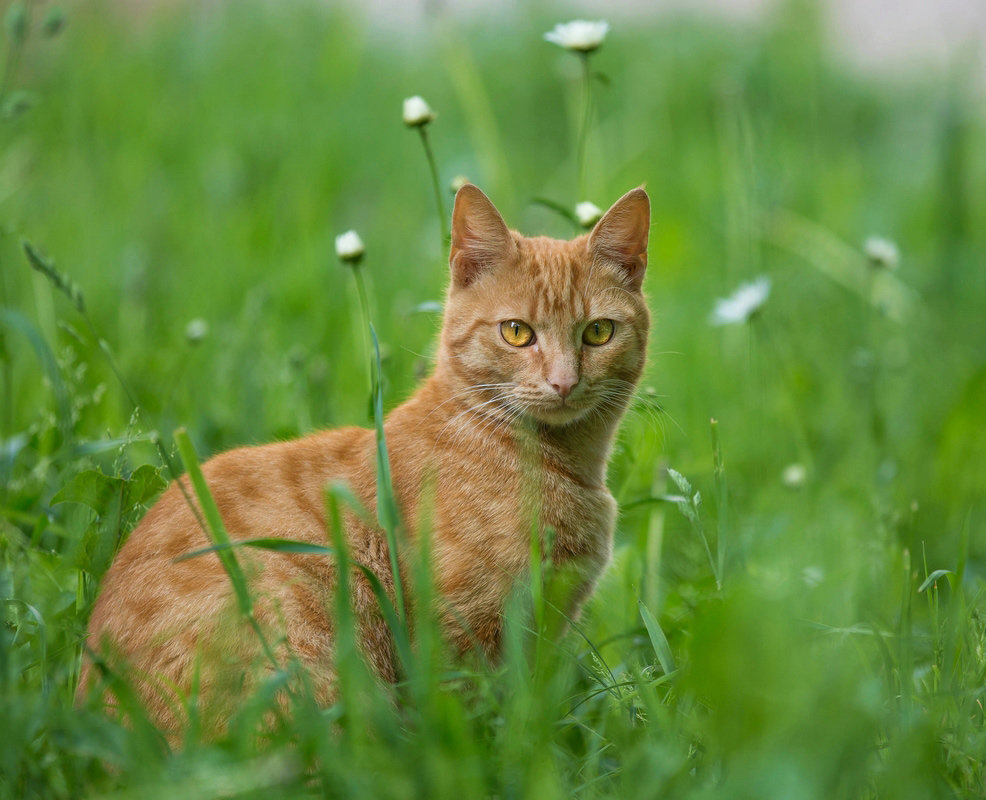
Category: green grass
[197,165]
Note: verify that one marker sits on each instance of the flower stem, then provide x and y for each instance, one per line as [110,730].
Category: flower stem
[365,312]
[443,231]
[584,128]
[10,67]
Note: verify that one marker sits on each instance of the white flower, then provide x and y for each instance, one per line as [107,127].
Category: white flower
[742,304]
[580,35]
[812,576]
[588,214]
[794,475]
[349,247]
[196,330]
[417,112]
[881,252]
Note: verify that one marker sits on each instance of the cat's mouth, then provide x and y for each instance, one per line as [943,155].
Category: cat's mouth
[560,411]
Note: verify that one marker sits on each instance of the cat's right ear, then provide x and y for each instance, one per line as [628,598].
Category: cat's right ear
[480,238]
[620,237]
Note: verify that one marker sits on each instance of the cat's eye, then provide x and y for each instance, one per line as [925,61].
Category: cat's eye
[598,332]
[517,333]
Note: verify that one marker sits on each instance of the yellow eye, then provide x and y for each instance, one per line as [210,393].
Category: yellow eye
[598,332]
[517,333]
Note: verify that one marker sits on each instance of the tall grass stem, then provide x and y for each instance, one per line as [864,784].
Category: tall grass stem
[436,186]
[584,126]
[387,513]
[216,530]
[722,499]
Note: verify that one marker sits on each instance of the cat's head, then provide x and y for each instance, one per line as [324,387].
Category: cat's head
[546,328]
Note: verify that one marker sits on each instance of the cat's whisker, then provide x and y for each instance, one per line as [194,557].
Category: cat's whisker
[490,425]
[495,423]
[468,390]
[657,418]
[425,356]
[471,410]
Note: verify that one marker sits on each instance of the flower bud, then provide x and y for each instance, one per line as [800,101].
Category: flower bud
[15,22]
[743,304]
[196,330]
[349,247]
[417,112]
[881,253]
[794,475]
[588,214]
[53,22]
[579,35]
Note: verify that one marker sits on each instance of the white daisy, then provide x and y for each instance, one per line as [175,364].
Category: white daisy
[196,330]
[794,475]
[417,112]
[580,35]
[881,252]
[349,247]
[742,304]
[588,214]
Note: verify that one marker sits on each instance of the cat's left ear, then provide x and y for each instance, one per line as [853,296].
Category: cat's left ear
[621,236]
[480,238]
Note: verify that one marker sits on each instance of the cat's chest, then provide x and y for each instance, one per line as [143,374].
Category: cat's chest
[492,505]
[577,517]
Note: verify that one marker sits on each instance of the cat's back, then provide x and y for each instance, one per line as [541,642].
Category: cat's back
[268,490]
[151,601]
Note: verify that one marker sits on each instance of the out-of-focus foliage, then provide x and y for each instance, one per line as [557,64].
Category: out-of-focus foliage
[185,171]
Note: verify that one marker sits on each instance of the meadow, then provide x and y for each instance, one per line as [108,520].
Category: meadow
[796,604]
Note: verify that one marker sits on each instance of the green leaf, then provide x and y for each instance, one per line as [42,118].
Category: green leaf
[62,282]
[17,321]
[17,102]
[89,488]
[94,489]
[42,636]
[680,481]
[657,639]
[387,512]
[215,527]
[53,22]
[686,509]
[143,486]
[558,208]
[15,22]
[934,577]
[103,445]
[264,543]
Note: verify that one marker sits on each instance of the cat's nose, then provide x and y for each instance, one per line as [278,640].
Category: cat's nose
[563,384]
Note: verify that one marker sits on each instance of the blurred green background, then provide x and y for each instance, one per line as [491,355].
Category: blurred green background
[184,163]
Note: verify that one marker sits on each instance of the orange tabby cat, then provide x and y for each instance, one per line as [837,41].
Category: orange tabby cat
[542,344]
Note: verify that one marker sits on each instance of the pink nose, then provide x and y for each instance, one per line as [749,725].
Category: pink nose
[563,384]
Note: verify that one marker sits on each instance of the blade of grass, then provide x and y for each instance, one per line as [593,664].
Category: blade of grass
[933,578]
[216,530]
[264,543]
[17,321]
[398,625]
[347,661]
[42,638]
[657,639]
[654,540]
[722,500]
[387,512]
